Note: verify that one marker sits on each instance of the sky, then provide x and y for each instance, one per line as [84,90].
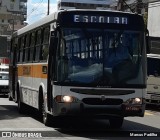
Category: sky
[37,9]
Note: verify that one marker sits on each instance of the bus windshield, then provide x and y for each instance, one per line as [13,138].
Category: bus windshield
[100,57]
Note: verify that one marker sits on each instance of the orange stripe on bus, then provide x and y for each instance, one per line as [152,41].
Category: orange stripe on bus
[36,71]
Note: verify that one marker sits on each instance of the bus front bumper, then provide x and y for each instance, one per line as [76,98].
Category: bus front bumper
[81,109]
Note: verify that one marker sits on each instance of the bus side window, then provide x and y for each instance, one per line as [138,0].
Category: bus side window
[24,47]
[26,57]
[20,49]
[38,45]
[31,46]
[45,44]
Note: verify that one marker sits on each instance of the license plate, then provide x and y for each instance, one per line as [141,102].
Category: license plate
[154,97]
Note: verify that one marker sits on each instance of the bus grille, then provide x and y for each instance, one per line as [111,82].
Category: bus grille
[99,101]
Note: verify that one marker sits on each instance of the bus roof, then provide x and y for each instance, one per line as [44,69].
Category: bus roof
[52,17]
[153,56]
[38,23]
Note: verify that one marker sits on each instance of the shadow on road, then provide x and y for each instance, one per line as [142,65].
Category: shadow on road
[8,110]
[92,128]
[99,129]
[153,107]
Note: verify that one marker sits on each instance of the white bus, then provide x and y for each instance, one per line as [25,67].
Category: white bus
[81,63]
[153,82]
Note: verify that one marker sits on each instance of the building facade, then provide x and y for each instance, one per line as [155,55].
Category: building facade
[135,6]
[154,26]
[12,13]
[84,4]
[12,16]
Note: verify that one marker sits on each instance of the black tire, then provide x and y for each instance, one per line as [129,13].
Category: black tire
[116,122]
[21,107]
[10,98]
[46,117]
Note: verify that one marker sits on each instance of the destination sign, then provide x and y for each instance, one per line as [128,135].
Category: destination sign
[100,19]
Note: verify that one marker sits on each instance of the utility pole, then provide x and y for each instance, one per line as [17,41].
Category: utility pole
[120,5]
[139,6]
[13,26]
[48,7]
[13,21]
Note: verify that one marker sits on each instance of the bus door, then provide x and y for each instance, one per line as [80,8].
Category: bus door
[51,68]
[12,71]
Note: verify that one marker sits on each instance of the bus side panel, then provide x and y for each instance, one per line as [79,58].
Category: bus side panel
[91,102]
[31,81]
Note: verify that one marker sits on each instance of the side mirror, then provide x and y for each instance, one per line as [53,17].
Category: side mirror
[148,43]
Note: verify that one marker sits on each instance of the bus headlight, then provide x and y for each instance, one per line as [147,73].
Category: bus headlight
[137,101]
[134,101]
[65,99]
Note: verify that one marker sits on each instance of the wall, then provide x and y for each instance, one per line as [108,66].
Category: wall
[12,5]
[154,19]
[154,26]
[3,46]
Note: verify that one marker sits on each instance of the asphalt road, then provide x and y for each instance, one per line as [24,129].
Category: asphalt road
[133,127]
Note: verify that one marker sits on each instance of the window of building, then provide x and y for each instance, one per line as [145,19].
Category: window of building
[11,6]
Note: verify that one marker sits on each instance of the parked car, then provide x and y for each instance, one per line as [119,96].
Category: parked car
[4,80]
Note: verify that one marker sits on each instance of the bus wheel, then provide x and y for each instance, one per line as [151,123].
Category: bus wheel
[46,116]
[10,98]
[21,107]
[116,122]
